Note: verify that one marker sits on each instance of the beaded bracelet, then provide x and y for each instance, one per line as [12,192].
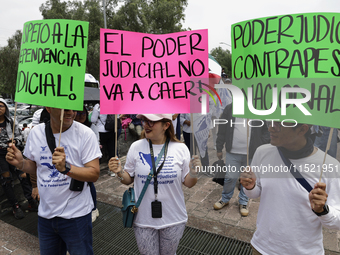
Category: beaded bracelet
[192,175]
[120,178]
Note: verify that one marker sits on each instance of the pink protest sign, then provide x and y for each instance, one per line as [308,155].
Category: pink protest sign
[148,73]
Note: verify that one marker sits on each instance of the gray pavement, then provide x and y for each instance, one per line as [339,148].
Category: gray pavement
[199,203]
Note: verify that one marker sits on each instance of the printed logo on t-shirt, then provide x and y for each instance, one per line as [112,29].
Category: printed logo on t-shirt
[43,150]
[166,175]
[146,158]
[54,171]
[54,178]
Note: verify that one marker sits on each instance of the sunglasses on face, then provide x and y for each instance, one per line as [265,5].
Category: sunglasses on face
[277,125]
[81,113]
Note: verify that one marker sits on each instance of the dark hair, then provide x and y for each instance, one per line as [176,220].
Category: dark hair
[309,131]
[169,132]
[86,122]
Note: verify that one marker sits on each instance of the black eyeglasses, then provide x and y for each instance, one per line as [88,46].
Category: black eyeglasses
[149,122]
[152,123]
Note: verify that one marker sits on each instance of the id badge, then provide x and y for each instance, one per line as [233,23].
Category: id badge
[156,209]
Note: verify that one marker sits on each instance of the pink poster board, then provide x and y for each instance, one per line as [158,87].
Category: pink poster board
[148,73]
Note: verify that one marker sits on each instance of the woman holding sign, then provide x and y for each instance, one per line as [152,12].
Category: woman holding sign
[161,217]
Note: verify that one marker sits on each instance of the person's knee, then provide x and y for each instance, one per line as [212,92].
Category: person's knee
[5,178]
[23,175]
[6,182]
[6,175]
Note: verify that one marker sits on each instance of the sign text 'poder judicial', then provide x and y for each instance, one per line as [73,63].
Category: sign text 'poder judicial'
[148,73]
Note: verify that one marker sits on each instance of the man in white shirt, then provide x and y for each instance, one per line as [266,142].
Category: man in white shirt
[65,206]
[290,219]
[106,138]
[25,132]
[233,137]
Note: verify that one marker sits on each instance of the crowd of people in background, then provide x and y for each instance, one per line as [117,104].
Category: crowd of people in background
[154,133]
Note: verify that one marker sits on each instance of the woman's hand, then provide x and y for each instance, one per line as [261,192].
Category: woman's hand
[195,166]
[115,165]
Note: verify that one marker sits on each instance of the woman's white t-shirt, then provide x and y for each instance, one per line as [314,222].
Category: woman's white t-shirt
[170,179]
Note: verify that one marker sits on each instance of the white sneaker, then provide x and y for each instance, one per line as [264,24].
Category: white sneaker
[244,210]
[95,214]
[220,204]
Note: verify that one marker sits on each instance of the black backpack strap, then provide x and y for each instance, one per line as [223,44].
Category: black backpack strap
[44,116]
[295,172]
[50,137]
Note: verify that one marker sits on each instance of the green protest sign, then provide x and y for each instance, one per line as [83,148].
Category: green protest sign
[52,63]
[288,68]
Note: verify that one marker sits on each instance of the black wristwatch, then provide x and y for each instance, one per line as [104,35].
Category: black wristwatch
[67,168]
[324,212]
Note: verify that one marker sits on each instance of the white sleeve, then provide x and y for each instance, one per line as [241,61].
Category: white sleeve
[130,162]
[90,149]
[182,118]
[95,114]
[255,192]
[186,161]
[95,131]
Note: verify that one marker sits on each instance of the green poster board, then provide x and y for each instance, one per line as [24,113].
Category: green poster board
[52,63]
[291,51]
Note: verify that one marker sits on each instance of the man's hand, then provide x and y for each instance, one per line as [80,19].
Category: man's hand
[318,197]
[35,194]
[59,159]
[219,155]
[14,156]
[248,178]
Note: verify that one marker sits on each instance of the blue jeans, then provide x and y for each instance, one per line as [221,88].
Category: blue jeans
[58,235]
[321,142]
[235,161]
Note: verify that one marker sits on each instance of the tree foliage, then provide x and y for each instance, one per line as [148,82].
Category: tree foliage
[9,60]
[145,16]
[154,16]
[223,57]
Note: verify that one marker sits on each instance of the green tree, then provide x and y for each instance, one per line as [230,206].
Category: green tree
[88,10]
[145,16]
[153,16]
[9,60]
[223,57]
